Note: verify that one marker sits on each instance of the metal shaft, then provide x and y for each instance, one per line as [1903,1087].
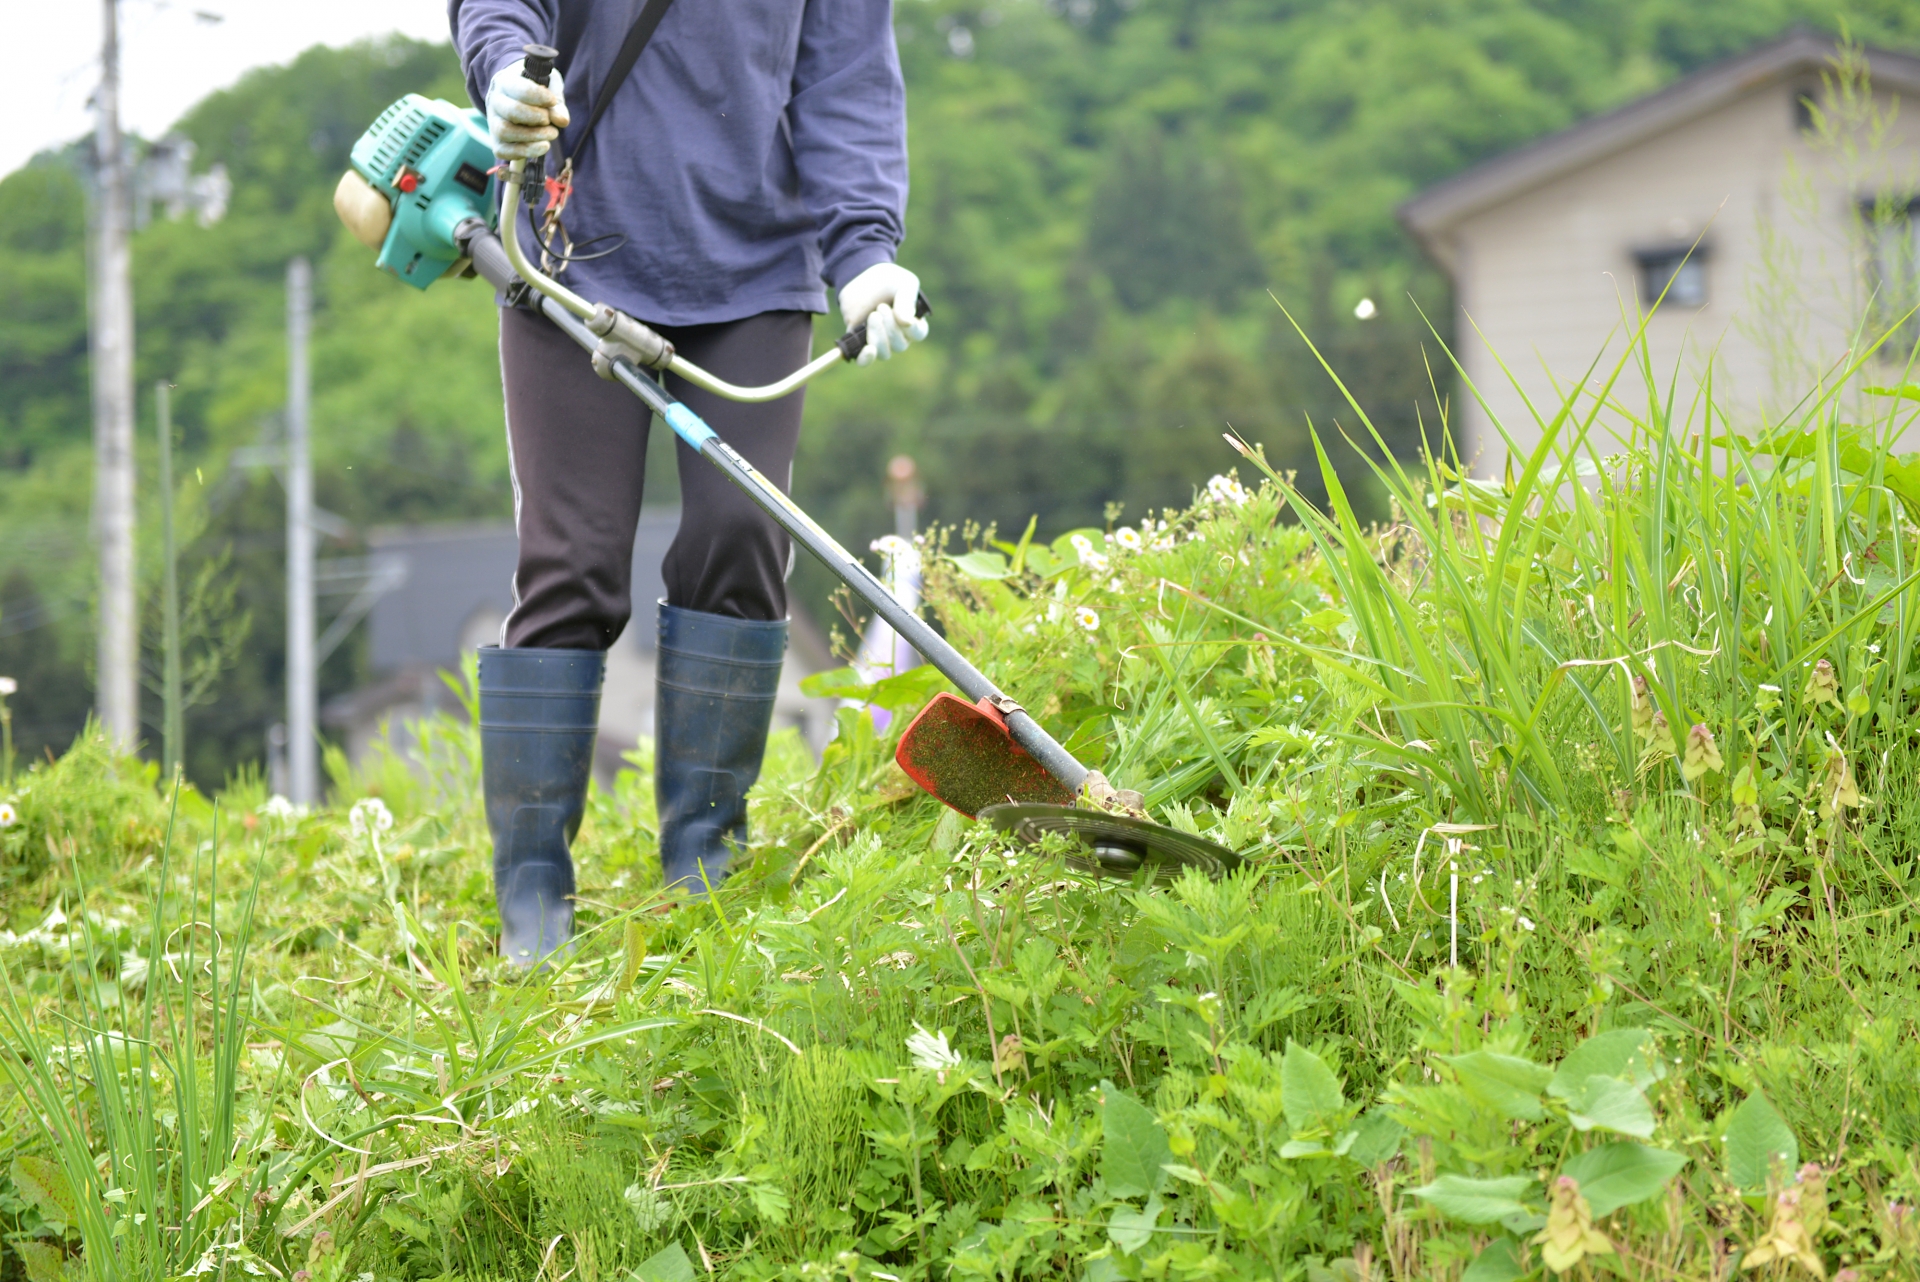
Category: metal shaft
[496,262]
[303,697]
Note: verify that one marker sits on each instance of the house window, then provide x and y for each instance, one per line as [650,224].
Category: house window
[1893,230]
[1678,274]
[1803,113]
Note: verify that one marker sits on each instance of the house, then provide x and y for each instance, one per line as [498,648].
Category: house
[1772,197]
[448,588]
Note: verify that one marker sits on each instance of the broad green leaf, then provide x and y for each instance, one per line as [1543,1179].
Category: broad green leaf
[1617,1175]
[400,1222]
[1755,1136]
[907,689]
[1376,1138]
[1506,1083]
[834,683]
[1477,1201]
[1131,1229]
[667,1265]
[1498,1263]
[1523,1223]
[43,1183]
[1304,1148]
[1309,1092]
[1620,1052]
[1905,391]
[770,1200]
[1134,1151]
[1610,1104]
[43,1261]
[982,565]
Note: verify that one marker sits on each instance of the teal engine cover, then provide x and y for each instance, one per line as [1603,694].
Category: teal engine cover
[431,160]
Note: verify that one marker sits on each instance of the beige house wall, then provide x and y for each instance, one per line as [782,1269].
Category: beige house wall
[1548,282]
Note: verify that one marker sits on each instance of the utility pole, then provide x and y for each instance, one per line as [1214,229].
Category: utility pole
[117,690]
[303,699]
[903,489]
[172,732]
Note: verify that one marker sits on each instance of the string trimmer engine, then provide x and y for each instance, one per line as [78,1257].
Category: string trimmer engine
[423,168]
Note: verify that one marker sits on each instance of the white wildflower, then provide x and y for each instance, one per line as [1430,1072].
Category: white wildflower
[930,1050]
[1129,539]
[280,810]
[1115,584]
[1225,489]
[1365,310]
[1086,617]
[8,686]
[370,815]
[8,816]
[1526,923]
[898,554]
[1089,556]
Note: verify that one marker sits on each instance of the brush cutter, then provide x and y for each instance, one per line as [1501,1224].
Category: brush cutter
[430,164]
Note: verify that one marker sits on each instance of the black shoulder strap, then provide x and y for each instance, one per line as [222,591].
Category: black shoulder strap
[644,25]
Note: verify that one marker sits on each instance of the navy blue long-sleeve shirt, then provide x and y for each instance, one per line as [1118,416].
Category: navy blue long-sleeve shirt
[756,152]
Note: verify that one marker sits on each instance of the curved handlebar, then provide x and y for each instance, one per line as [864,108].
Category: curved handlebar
[846,348]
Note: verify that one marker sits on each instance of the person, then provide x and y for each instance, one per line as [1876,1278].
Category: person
[754,154]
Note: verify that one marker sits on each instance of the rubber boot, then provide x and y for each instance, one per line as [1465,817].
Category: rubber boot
[539,710]
[716,685]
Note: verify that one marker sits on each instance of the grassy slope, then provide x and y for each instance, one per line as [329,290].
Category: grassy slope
[897,1047]
[1103,194]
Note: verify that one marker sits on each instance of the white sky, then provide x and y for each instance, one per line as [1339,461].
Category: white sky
[170,56]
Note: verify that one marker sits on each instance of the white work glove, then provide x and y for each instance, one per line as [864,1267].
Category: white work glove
[523,117]
[882,298]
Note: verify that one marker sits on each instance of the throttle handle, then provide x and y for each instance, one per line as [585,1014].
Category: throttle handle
[540,60]
[851,342]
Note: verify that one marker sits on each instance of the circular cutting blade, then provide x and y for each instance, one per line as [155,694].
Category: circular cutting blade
[1114,845]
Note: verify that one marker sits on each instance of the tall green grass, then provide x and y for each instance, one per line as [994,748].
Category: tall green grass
[1509,921]
[133,1068]
[1645,573]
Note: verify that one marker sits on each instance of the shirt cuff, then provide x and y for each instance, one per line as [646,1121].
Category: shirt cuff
[856,259]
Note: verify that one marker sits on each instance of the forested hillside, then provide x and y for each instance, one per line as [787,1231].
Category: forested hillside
[1105,194]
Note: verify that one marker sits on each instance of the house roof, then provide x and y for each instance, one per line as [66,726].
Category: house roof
[1798,54]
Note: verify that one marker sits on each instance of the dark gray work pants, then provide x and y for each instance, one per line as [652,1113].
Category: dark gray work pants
[579,458]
